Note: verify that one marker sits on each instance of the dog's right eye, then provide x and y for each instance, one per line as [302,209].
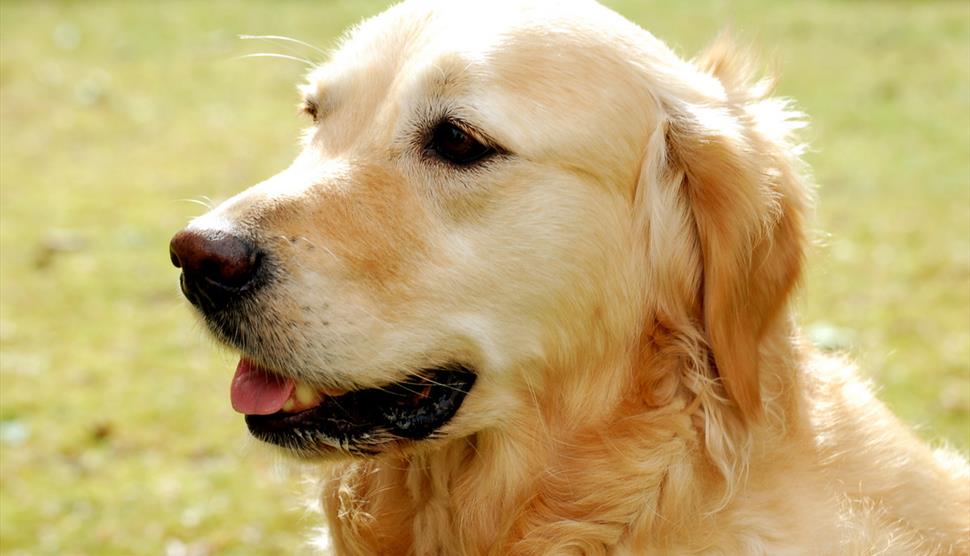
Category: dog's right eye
[457,146]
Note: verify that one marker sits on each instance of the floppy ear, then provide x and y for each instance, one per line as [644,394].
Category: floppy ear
[739,176]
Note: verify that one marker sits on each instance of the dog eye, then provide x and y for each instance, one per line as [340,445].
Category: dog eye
[454,145]
[309,108]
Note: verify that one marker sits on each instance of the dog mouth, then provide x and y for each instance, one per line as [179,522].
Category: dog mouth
[311,422]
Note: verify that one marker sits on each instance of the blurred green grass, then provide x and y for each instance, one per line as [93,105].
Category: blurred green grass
[116,436]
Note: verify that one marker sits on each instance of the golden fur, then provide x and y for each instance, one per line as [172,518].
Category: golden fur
[620,280]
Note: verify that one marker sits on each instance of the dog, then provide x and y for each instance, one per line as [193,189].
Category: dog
[526,290]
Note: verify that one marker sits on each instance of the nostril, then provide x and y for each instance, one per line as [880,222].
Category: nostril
[214,259]
[174,256]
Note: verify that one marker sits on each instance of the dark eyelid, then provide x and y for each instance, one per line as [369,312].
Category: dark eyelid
[467,130]
[474,132]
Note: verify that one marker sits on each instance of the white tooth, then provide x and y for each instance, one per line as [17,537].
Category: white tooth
[305,395]
[288,405]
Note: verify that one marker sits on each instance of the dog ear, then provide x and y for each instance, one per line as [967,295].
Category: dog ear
[733,165]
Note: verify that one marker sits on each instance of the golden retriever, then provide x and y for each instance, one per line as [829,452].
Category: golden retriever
[526,289]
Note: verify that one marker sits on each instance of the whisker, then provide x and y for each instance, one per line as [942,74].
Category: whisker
[427,380]
[283,39]
[205,202]
[275,55]
[419,385]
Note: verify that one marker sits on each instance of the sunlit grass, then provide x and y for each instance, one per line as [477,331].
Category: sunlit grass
[116,435]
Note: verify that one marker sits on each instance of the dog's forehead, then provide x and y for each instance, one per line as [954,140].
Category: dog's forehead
[523,67]
[477,37]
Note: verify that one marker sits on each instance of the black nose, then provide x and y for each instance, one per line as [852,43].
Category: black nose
[216,266]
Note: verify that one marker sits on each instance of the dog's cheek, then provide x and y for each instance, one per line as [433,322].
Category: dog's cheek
[546,260]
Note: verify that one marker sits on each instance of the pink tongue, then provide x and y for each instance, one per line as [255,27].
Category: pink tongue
[255,391]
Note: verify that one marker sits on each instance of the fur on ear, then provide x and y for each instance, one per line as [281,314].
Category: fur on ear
[736,174]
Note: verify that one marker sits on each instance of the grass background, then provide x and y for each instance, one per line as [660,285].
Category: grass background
[116,436]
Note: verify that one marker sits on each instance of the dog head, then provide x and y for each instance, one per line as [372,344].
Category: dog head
[489,202]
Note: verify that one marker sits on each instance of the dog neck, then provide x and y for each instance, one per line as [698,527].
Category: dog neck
[562,476]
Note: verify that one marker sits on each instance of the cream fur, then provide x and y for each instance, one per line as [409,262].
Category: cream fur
[620,281]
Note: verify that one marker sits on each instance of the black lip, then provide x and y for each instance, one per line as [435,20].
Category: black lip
[368,421]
